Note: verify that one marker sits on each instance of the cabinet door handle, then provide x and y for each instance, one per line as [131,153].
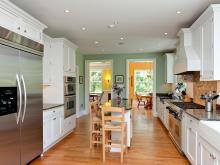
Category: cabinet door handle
[25,31]
[55,118]
[19,28]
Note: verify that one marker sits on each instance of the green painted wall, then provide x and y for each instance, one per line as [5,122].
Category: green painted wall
[80,62]
[119,66]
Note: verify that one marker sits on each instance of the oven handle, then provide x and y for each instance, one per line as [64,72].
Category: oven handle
[172,112]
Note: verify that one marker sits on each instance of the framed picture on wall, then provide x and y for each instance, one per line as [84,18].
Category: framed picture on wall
[81,79]
[119,79]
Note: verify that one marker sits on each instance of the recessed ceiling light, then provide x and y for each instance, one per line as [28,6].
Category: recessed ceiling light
[122,38]
[178,12]
[83,28]
[96,42]
[66,11]
[111,26]
[141,49]
[165,34]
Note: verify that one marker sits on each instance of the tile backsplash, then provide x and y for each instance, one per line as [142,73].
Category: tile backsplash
[199,87]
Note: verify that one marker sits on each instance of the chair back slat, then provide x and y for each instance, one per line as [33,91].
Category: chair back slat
[107,114]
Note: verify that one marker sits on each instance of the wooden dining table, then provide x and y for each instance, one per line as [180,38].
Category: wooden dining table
[148,99]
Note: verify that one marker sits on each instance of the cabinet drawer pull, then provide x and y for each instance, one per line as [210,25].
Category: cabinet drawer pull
[19,28]
[55,118]
[25,31]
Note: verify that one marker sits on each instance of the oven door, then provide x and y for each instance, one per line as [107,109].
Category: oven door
[70,106]
[175,130]
[69,88]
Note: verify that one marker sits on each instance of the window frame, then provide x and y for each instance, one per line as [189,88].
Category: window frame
[96,70]
[141,70]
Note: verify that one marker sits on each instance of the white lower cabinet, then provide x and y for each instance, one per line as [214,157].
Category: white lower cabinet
[55,127]
[189,139]
[197,149]
[69,124]
[206,153]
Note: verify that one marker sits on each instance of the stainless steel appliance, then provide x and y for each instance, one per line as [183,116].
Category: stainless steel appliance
[209,97]
[69,96]
[69,85]
[21,130]
[175,117]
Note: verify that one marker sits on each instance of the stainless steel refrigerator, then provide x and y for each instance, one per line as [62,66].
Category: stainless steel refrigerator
[21,125]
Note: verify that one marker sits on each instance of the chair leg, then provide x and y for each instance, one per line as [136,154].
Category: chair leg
[122,146]
[103,146]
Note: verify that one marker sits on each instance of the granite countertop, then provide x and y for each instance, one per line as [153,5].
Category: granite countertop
[202,114]
[50,106]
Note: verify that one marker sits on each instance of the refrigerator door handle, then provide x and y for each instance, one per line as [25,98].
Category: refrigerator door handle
[20,98]
[25,97]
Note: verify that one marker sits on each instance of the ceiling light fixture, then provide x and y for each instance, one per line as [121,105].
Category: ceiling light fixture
[121,38]
[141,49]
[178,12]
[165,34]
[113,25]
[83,28]
[96,42]
[66,11]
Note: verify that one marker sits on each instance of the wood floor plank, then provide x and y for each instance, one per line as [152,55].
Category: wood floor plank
[151,145]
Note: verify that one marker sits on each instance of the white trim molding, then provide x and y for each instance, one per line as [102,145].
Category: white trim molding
[154,79]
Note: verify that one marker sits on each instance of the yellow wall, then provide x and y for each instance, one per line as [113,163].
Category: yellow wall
[106,81]
[136,66]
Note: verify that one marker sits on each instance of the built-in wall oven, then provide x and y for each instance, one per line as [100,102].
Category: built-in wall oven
[69,96]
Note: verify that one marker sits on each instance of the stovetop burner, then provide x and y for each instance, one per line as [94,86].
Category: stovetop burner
[188,105]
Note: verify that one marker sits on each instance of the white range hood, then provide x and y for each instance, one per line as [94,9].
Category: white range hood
[186,60]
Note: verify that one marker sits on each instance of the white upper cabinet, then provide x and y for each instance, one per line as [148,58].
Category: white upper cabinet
[69,56]
[206,41]
[69,60]
[169,68]
[66,49]
[18,21]
[47,61]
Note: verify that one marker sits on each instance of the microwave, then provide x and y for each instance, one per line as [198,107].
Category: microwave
[69,85]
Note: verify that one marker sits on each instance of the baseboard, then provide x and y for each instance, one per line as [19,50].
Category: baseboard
[82,113]
[57,141]
[155,114]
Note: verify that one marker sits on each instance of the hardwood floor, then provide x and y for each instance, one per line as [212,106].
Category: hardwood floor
[151,145]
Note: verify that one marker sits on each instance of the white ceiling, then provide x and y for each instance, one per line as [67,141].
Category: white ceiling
[141,22]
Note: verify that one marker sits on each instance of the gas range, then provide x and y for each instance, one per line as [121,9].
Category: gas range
[175,118]
[177,108]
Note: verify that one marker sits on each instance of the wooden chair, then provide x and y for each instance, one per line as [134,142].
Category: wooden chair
[110,123]
[140,101]
[95,124]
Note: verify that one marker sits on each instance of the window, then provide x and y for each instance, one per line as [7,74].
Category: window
[143,81]
[95,81]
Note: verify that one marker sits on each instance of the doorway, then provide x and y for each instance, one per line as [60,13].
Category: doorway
[141,83]
[98,81]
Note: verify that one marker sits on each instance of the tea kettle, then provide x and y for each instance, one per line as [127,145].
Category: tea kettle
[209,97]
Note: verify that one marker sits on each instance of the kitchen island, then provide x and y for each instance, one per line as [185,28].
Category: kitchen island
[128,119]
